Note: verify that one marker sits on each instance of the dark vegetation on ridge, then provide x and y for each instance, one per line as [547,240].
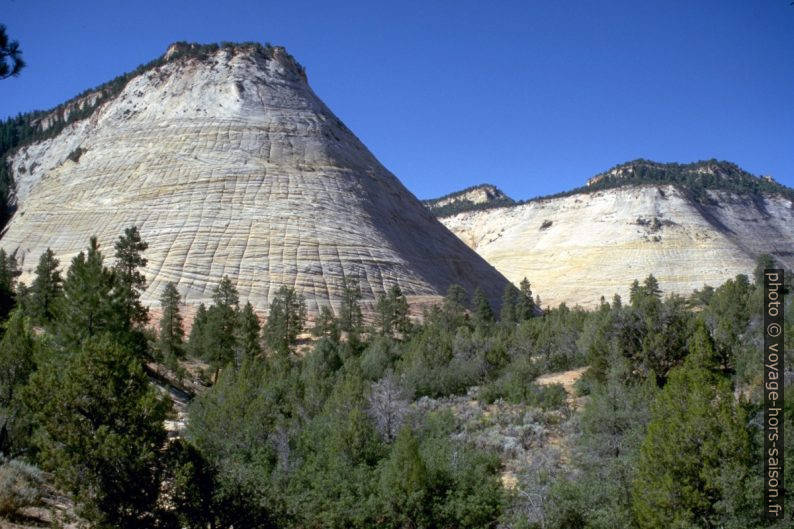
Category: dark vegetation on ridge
[369,425]
[24,129]
[457,206]
[697,178]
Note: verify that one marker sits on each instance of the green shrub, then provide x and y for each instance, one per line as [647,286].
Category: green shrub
[21,486]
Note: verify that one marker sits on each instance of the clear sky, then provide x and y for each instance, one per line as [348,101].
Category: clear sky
[533,96]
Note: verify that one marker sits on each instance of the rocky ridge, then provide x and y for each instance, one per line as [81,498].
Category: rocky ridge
[477,197]
[577,248]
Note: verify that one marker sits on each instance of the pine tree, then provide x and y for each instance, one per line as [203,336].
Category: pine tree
[225,294]
[326,325]
[196,343]
[453,311]
[651,287]
[392,313]
[130,282]
[285,320]
[248,333]
[509,302]
[696,410]
[16,365]
[350,317]
[635,293]
[11,62]
[400,310]
[617,302]
[46,288]
[220,332]
[16,356]
[525,307]
[9,271]
[405,484]
[101,433]
[87,307]
[483,314]
[172,332]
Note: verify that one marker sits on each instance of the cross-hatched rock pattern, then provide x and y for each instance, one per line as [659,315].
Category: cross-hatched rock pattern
[578,248]
[231,165]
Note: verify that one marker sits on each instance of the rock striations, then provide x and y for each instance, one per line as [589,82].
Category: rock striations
[229,164]
[578,247]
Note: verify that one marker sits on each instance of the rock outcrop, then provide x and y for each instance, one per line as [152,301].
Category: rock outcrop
[477,197]
[229,164]
[576,248]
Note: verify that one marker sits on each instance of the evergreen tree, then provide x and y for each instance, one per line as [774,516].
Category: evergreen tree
[350,317]
[16,365]
[196,343]
[16,356]
[617,303]
[453,311]
[87,307]
[405,484]
[11,62]
[46,288]
[9,271]
[326,325]
[225,294]
[400,310]
[651,287]
[220,332]
[763,262]
[101,433]
[130,282]
[634,293]
[248,333]
[510,298]
[525,306]
[392,313]
[483,314]
[285,321]
[172,333]
[696,410]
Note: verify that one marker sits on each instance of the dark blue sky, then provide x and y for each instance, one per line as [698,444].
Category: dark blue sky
[532,96]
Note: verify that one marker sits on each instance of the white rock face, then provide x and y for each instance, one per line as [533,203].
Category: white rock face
[231,165]
[576,249]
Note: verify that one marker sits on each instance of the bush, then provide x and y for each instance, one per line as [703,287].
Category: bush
[21,486]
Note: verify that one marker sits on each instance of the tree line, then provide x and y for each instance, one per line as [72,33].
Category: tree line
[329,431]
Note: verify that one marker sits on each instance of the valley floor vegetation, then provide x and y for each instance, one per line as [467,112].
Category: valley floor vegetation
[365,424]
